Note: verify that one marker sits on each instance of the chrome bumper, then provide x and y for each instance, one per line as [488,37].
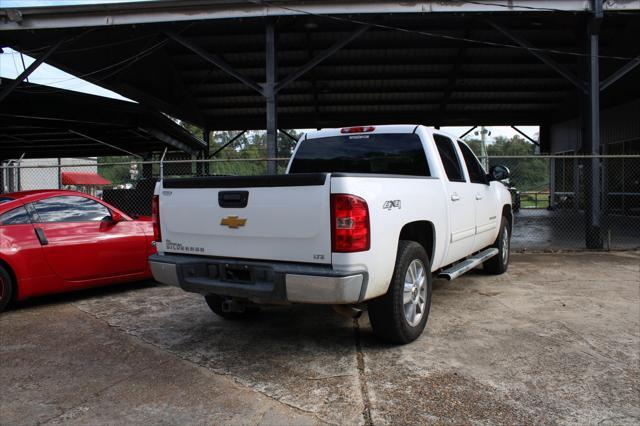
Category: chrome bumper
[273,282]
[165,273]
[323,290]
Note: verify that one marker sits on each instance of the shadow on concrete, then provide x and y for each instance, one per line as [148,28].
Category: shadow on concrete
[79,295]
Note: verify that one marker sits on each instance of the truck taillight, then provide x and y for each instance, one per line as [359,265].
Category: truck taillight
[358,129]
[349,224]
[155,217]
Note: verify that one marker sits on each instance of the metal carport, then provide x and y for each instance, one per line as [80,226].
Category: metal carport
[230,64]
[50,123]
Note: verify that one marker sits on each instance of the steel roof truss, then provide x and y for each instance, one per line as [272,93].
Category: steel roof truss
[559,68]
[215,60]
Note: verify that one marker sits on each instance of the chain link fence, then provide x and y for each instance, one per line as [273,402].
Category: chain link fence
[551,194]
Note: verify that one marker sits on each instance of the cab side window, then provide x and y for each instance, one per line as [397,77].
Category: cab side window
[449,158]
[17,216]
[475,169]
[70,209]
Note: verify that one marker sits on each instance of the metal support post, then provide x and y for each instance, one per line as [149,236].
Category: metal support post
[271,97]
[593,234]
[206,137]
[164,154]
[2,173]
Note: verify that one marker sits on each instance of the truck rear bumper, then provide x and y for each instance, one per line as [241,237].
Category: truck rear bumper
[260,281]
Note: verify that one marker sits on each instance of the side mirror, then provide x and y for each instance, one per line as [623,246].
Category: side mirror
[116,217]
[499,173]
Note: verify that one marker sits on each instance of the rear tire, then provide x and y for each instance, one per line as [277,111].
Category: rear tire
[6,289]
[499,263]
[401,314]
[215,304]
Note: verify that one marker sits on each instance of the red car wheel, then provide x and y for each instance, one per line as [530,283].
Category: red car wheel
[5,289]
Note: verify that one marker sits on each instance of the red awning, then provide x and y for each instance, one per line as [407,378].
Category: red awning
[76,178]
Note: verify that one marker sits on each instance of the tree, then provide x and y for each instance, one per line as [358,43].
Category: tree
[528,174]
[117,174]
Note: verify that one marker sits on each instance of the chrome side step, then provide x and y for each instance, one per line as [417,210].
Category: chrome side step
[468,264]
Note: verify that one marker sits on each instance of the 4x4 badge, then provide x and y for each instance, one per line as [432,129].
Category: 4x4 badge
[233,222]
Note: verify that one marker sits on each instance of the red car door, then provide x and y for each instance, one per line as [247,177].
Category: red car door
[82,242]
[20,248]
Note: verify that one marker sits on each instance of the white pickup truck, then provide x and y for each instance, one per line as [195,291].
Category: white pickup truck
[363,214]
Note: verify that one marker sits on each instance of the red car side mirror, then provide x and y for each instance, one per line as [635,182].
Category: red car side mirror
[116,217]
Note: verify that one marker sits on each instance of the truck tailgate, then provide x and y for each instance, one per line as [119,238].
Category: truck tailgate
[286,217]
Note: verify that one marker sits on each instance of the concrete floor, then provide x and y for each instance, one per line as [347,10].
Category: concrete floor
[555,340]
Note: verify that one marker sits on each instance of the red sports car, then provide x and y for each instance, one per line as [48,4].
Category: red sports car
[55,241]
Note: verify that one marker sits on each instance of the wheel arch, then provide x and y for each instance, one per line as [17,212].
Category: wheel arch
[422,232]
[508,213]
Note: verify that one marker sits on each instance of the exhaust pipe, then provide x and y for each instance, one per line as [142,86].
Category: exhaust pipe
[347,311]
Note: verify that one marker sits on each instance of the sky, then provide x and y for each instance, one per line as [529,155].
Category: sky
[11,66]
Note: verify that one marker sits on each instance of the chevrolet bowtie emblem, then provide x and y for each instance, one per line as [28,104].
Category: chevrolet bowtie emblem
[233,222]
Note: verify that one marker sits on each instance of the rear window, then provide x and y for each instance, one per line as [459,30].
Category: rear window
[391,153]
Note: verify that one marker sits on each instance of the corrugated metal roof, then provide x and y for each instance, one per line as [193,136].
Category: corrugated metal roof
[384,75]
[64,123]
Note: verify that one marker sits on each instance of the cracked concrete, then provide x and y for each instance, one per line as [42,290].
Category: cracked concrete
[555,340]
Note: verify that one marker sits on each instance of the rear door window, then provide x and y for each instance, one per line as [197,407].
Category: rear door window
[17,216]
[475,169]
[449,158]
[377,153]
[70,209]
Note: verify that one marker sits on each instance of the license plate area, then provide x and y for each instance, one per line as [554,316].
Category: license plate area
[240,273]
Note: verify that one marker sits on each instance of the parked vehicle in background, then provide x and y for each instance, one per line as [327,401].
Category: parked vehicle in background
[363,215]
[54,241]
[515,196]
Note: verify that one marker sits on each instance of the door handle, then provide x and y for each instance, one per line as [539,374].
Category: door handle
[41,237]
[455,197]
[479,197]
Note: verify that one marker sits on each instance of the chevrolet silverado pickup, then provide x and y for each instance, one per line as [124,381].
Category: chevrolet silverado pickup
[364,216]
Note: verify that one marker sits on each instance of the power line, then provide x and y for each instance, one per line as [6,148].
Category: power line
[435,35]
[125,64]
[513,6]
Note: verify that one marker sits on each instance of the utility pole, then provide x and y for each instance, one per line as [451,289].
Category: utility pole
[483,146]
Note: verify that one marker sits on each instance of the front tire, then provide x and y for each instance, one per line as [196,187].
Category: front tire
[6,289]
[499,263]
[401,314]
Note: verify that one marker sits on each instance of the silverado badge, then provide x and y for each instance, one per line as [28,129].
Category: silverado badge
[233,222]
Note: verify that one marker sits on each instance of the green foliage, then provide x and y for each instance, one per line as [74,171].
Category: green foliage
[116,174]
[251,145]
[528,174]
